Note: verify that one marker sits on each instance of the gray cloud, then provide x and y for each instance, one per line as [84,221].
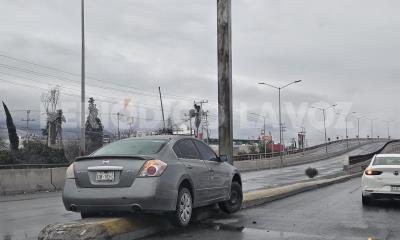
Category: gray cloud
[345,51]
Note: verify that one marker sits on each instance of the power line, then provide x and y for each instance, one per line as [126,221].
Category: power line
[143,92]
[72,94]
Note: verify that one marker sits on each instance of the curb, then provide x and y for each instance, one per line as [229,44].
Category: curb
[104,228]
[143,226]
[263,196]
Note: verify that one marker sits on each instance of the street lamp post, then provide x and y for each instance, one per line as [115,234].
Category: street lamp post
[323,112]
[358,127]
[346,120]
[280,112]
[372,127]
[83,115]
[388,127]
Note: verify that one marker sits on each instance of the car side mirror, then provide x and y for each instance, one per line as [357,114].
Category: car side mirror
[223,158]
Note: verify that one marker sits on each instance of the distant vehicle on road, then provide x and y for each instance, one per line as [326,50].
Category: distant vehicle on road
[381,180]
[152,174]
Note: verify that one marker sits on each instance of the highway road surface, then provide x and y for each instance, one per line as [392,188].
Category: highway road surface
[330,213]
[22,217]
[276,177]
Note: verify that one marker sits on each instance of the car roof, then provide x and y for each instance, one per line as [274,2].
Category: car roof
[160,137]
[388,155]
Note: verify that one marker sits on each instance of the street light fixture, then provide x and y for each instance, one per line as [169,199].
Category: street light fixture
[280,113]
[323,112]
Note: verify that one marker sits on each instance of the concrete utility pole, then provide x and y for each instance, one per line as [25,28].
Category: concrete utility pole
[130,119]
[224,42]
[83,115]
[265,132]
[207,127]
[27,120]
[119,132]
[162,108]
[200,116]
[190,122]
[280,113]
[324,113]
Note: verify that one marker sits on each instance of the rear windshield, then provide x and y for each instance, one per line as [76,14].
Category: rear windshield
[387,161]
[131,147]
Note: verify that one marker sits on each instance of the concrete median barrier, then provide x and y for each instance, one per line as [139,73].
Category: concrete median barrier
[142,226]
[262,196]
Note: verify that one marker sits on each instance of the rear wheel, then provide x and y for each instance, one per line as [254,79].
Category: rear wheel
[88,215]
[184,208]
[366,200]
[235,202]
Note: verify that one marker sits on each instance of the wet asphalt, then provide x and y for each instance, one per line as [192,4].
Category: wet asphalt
[276,177]
[22,217]
[334,212]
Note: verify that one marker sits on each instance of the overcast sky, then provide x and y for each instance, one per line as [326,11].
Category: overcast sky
[346,53]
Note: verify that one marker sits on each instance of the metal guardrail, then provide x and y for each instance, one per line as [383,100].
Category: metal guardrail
[362,158]
[246,157]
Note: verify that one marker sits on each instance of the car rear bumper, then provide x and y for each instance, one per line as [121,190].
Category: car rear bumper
[381,193]
[145,194]
[385,195]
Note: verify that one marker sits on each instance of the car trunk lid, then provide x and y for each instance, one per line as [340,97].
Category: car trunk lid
[390,173]
[108,171]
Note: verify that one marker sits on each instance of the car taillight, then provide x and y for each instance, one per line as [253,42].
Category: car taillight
[153,168]
[70,172]
[371,172]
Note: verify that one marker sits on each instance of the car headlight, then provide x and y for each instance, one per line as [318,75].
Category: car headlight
[153,168]
[70,172]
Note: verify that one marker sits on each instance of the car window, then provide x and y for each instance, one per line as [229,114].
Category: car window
[132,147]
[186,149]
[387,161]
[205,151]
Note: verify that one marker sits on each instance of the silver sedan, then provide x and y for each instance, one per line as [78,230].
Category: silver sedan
[153,174]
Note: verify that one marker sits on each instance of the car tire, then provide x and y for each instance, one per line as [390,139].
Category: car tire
[88,215]
[234,204]
[184,208]
[366,200]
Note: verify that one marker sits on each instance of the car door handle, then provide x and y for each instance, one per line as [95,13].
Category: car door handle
[189,166]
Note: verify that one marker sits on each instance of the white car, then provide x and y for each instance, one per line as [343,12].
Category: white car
[381,179]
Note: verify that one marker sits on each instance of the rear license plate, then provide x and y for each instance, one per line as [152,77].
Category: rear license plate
[395,188]
[105,176]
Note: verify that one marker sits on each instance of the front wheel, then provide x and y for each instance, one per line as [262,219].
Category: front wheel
[184,208]
[235,202]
